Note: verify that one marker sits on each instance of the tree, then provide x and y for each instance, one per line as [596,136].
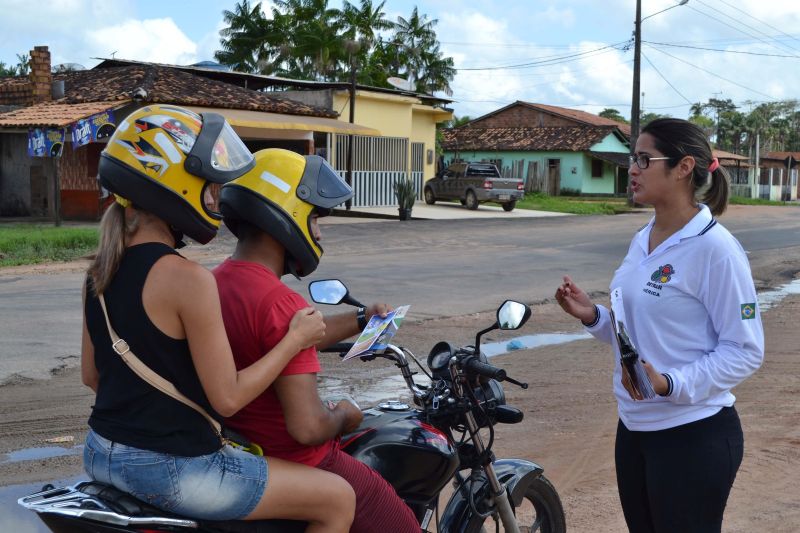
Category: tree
[23,64]
[456,121]
[22,68]
[649,117]
[362,24]
[306,39]
[7,71]
[612,114]
[247,40]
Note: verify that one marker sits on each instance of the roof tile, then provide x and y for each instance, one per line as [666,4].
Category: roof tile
[574,139]
[170,85]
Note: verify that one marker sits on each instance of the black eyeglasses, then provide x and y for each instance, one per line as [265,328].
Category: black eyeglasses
[643,160]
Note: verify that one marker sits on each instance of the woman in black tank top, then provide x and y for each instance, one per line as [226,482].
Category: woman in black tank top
[159,165]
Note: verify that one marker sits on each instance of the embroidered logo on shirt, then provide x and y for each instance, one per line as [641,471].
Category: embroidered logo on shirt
[748,311]
[657,280]
[663,274]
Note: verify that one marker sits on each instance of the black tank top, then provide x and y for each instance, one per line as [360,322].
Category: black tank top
[127,409]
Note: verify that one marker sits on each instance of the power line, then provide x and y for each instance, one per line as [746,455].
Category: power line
[549,60]
[716,19]
[665,79]
[711,73]
[759,20]
[721,50]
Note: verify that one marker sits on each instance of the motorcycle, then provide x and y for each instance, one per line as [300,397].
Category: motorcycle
[418,449]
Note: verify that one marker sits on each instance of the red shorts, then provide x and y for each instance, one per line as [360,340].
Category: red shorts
[378,507]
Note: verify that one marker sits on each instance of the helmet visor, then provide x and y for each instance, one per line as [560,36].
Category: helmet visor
[229,153]
[321,185]
[219,155]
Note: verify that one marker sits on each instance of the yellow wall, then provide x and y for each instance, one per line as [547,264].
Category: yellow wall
[395,116]
[423,129]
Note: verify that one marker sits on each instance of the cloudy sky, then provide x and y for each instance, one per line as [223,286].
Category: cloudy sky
[570,53]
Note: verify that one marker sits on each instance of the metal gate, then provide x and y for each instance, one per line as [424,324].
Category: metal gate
[377,163]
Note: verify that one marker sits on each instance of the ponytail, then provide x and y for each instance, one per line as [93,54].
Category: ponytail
[716,195]
[114,228]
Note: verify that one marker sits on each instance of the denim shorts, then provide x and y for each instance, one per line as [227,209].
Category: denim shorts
[224,485]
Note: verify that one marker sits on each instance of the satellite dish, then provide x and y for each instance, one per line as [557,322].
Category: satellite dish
[68,67]
[401,83]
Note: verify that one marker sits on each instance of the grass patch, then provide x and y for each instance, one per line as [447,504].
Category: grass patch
[576,205]
[740,200]
[30,244]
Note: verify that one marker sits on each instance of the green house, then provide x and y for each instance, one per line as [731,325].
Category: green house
[554,149]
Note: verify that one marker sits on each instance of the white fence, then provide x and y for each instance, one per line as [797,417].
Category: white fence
[742,191]
[376,189]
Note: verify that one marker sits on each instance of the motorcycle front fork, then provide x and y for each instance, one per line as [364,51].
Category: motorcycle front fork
[499,493]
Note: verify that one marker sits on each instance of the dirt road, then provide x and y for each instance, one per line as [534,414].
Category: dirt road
[570,419]
[570,414]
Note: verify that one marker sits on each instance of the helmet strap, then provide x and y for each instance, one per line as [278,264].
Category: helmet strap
[290,267]
[178,236]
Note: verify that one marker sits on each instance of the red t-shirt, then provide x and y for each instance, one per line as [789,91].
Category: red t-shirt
[257,308]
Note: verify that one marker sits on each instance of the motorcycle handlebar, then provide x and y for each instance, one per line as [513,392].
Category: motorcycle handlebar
[485,369]
[339,347]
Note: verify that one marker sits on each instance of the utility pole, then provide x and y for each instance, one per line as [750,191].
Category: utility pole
[637,62]
[352,47]
[637,55]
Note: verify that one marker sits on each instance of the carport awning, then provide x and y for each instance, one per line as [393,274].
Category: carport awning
[617,158]
[255,121]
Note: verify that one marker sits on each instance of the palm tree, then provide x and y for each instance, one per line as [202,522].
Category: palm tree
[244,42]
[362,24]
[435,72]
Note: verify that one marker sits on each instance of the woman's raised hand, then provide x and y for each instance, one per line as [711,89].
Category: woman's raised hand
[574,301]
[308,327]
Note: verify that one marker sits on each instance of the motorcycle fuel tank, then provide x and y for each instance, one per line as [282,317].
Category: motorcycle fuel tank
[416,458]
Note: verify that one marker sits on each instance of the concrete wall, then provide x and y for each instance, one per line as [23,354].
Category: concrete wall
[322,98]
[389,114]
[16,175]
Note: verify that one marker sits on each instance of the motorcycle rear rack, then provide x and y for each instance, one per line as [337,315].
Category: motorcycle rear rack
[72,502]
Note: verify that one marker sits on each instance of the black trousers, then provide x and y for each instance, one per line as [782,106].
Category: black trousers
[677,480]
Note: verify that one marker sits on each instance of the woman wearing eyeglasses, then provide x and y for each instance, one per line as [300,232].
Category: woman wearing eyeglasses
[691,312]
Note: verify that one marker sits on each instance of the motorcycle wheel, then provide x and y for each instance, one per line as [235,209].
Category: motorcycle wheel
[539,512]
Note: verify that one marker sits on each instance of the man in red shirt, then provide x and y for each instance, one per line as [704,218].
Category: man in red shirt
[273,211]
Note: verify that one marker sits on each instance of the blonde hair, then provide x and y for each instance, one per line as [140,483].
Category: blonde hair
[115,228]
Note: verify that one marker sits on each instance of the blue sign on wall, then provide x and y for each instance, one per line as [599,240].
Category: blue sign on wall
[92,129]
[46,142]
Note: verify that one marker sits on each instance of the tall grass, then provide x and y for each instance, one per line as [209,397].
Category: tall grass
[579,205]
[740,200]
[28,244]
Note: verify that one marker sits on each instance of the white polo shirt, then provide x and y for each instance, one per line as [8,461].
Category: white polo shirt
[692,312]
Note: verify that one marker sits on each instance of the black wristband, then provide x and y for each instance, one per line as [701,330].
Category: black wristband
[596,318]
[361,317]
[669,385]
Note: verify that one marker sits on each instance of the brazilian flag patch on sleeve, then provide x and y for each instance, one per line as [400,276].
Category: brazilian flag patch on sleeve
[748,311]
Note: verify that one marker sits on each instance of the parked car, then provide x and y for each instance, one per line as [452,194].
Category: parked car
[473,184]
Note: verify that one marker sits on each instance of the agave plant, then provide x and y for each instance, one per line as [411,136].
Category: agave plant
[406,195]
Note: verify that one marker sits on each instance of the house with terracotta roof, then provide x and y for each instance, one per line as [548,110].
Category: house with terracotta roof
[554,149]
[45,107]
[777,176]
[403,142]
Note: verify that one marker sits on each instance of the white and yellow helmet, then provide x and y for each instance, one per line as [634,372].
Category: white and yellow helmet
[161,158]
[279,195]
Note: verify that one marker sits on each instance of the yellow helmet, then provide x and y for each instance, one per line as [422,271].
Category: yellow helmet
[278,196]
[161,158]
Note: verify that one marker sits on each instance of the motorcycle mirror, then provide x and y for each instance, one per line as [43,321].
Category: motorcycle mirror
[331,292]
[512,315]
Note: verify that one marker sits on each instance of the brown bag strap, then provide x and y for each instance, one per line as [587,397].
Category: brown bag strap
[146,373]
